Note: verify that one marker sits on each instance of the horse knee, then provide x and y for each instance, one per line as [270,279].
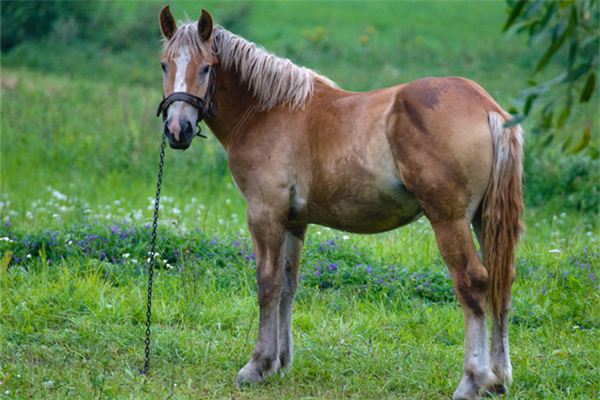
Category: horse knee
[270,288]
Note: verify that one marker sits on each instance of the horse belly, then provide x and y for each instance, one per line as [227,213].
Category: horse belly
[366,207]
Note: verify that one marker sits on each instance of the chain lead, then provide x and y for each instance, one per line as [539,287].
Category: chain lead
[144,370]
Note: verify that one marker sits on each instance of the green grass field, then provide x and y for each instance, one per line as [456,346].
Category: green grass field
[375,316]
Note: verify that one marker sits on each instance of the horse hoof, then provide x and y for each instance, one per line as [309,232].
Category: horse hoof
[500,389]
[248,376]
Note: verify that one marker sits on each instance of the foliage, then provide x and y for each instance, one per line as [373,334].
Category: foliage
[570,30]
[28,20]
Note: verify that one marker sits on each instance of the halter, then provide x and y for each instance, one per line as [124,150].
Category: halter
[205,108]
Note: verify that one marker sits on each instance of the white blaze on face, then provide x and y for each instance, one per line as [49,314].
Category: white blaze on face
[181,62]
[179,109]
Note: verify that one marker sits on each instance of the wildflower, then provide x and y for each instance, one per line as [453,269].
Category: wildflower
[59,195]
[176,211]
[345,237]
[126,255]
[369,270]
[333,267]
[554,251]
[28,256]
[29,215]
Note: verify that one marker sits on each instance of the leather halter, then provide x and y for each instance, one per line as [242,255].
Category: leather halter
[205,109]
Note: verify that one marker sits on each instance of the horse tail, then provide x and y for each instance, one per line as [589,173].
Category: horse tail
[502,208]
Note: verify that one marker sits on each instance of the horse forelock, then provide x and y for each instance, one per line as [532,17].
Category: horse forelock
[272,80]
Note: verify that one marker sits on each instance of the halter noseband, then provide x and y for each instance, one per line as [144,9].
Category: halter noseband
[205,109]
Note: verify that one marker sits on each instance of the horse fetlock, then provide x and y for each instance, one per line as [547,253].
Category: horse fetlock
[503,371]
[286,358]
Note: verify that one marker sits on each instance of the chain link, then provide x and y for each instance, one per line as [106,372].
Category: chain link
[144,370]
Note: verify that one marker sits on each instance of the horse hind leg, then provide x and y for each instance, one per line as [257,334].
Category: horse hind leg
[500,355]
[470,280]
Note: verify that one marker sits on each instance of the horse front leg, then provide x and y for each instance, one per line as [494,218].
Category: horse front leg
[294,240]
[268,235]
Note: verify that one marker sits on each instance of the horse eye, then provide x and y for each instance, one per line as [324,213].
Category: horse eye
[204,69]
[163,66]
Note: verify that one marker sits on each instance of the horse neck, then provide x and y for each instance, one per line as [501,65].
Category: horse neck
[236,106]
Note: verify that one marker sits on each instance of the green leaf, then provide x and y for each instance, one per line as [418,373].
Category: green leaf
[516,11]
[516,120]
[564,115]
[583,141]
[528,103]
[555,46]
[588,88]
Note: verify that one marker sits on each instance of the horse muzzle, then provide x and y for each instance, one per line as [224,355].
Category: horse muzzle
[180,136]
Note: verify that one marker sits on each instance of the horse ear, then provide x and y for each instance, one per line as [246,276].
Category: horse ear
[167,22]
[205,25]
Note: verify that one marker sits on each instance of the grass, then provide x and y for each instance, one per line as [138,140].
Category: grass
[375,316]
[72,323]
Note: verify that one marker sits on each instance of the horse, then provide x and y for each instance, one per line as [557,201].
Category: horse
[303,151]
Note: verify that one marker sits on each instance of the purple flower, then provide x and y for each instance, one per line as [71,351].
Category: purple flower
[333,267]
[369,270]
[7,223]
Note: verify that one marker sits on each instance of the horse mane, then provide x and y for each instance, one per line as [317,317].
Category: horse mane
[272,80]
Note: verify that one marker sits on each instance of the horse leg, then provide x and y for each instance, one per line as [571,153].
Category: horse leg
[501,365]
[470,281]
[268,235]
[294,240]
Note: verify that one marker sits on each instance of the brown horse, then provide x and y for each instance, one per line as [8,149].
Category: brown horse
[303,151]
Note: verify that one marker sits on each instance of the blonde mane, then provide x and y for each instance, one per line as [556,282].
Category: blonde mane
[272,80]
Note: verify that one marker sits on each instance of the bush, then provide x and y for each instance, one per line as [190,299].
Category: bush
[566,182]
[31,20]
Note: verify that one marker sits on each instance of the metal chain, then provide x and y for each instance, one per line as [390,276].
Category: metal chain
[144,370]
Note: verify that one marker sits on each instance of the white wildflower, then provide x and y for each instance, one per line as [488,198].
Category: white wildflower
[59,195]
[345,237]
[554,251]
[126,255]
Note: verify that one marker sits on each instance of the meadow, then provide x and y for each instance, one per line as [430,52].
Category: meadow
[375,316]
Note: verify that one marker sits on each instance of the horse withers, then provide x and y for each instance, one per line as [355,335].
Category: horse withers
[303,151]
